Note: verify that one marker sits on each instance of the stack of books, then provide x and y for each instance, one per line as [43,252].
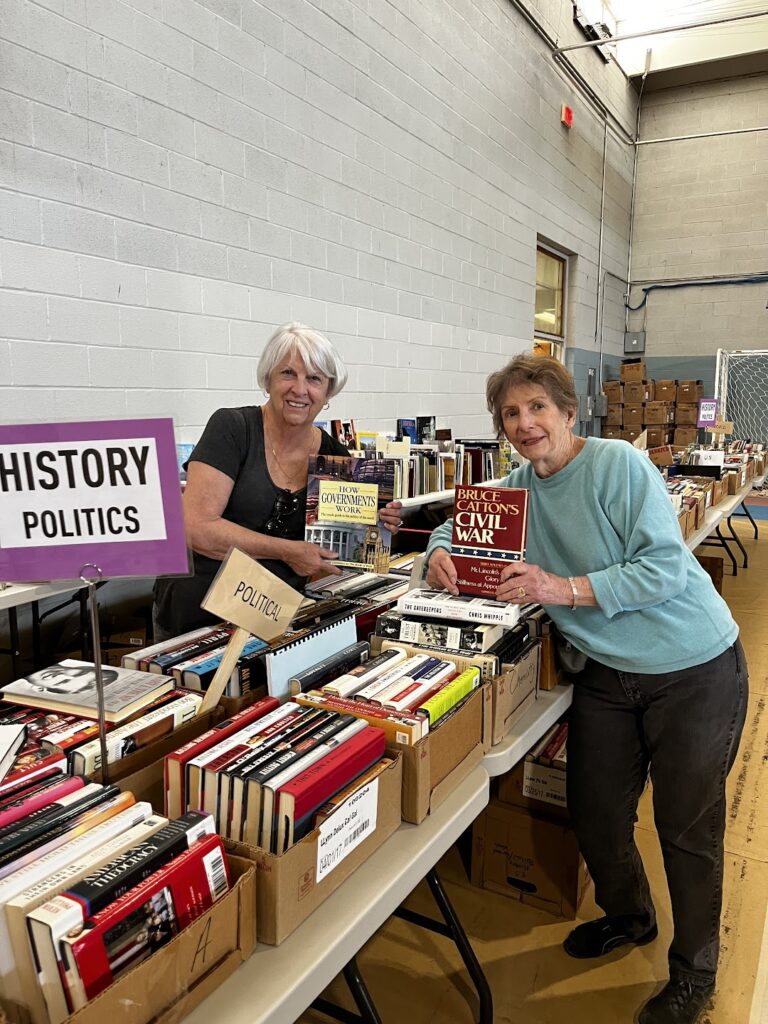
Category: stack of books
[267,774]
[91,884]
[57,709]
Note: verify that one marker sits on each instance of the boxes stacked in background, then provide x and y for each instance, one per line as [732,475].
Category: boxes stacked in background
[523,845]
[667,409]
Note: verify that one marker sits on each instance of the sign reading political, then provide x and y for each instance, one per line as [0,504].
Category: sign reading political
[707,412]
[102,493]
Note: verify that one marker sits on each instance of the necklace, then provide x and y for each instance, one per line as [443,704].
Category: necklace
[296,475]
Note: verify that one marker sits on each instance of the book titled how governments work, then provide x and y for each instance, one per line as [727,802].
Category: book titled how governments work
[344,496]
[489,532]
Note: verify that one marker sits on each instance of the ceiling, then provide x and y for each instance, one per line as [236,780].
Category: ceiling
[694,45]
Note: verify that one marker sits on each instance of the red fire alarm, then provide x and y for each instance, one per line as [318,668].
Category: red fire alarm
[566,116]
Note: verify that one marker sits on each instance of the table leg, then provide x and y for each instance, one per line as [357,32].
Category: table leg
[745,513]
[723,541]
[451,928]
[745,563]
[368,1013]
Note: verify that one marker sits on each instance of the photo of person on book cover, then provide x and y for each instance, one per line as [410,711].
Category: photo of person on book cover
[660,678]
[140,934]
[61,678]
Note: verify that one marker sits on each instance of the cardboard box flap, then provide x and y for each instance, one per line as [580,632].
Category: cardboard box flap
[444,789]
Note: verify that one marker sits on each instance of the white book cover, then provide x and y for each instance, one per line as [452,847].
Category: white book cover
[438,604]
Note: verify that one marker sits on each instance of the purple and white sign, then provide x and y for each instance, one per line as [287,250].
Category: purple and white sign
[707,412]
[104,493]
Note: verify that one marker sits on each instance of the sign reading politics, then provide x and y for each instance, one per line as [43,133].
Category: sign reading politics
[707,412]
[102,493]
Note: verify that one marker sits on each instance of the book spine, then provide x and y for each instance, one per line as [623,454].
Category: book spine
[326,670]
[436,707]
[39,801]
[366,673]
[408,669]
[403,681]
[18,776]
[422,688]
[554,744]
[487,663]
[478,610]
[135,658]
[38,821]
[398,728]
[162,662]
[535,752]
[195,880]
[97,890]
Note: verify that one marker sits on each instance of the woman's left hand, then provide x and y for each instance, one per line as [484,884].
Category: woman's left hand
[522,583]
[389,516]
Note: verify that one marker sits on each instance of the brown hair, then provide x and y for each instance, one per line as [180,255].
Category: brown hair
[543,370]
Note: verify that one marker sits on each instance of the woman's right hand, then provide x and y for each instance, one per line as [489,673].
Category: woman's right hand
[441,572]
[309,559]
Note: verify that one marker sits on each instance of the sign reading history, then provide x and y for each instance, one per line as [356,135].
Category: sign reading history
[707,412]
[100,493]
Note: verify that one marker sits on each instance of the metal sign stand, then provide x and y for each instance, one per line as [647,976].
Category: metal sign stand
[91,575]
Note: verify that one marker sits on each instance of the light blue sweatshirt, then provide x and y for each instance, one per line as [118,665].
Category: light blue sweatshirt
[607,516]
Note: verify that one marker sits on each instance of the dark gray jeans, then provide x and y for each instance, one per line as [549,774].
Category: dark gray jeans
[686,727]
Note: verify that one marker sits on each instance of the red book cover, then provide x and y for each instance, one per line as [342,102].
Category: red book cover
[31,763]
[301,797]
[176,763]
[489,532]
[54,730]
[144,919]
[39,799]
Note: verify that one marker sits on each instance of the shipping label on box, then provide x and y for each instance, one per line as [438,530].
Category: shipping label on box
[542,782]
[346,828]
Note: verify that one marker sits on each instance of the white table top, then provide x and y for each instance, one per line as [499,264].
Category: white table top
[546,709]
[279,982]
[23,593]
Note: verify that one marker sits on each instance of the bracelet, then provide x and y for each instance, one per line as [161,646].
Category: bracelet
[572,581]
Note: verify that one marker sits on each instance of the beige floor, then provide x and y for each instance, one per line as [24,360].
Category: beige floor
[416,977]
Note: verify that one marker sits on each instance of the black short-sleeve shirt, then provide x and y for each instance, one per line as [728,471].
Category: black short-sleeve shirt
[233,443]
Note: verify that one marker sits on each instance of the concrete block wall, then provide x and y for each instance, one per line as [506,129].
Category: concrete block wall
[702,212]
[177,177]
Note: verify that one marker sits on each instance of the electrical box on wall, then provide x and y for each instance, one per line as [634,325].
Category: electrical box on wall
[586,408]
[601,405]
[634,341]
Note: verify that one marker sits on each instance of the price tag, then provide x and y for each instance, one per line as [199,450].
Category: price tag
[346,828]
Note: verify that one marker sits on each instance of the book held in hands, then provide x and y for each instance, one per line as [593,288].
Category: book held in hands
[489,533]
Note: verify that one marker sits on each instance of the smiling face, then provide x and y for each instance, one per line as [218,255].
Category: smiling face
[537,428]
[296,392]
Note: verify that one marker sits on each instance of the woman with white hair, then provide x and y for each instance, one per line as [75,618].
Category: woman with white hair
[247,478]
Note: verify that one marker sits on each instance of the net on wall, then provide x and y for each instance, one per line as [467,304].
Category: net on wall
[742,387]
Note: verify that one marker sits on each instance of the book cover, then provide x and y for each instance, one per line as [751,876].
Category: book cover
[144,919]
[31,763]
[334,803]
[438,604]
[407,428]
[97,890]
[344,432]
[366,441]
[136,659]
[394,625]
[25,786]
[344,496]
[330,668]
[197,673]
[175,764]
[12,739]
[163,662]
[455,691]
[136,734]
[70,686]
[489,532]
[425,429]
[300,798]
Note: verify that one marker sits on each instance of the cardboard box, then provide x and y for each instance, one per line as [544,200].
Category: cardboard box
[515,691]
[660,456]
[613,391]
[633,415]
[174,980]
[659,413]
[529,859]
[633,369]
[713,565]
[632,434]
[666,391]
[685,436]
[658,436]
[639,391]
[549,673]
[686,415]
[690,390]
[537,788]
[287,886]
[731,480]
[615,416]
[612,433]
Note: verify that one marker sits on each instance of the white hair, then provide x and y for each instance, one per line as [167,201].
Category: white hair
[315,350]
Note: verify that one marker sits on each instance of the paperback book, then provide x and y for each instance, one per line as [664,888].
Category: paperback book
[489,533]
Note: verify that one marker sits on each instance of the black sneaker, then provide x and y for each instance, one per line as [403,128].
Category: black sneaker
[596,938]
[679,1002]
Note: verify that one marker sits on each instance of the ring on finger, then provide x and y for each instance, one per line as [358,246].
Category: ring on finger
[521,591]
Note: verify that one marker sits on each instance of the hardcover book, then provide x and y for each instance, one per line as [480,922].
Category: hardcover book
[438,604]
[395,625]
[70,686]
[144,919]
[32,763]
[407,428]
[489,532]
[344,496]
[12,738]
